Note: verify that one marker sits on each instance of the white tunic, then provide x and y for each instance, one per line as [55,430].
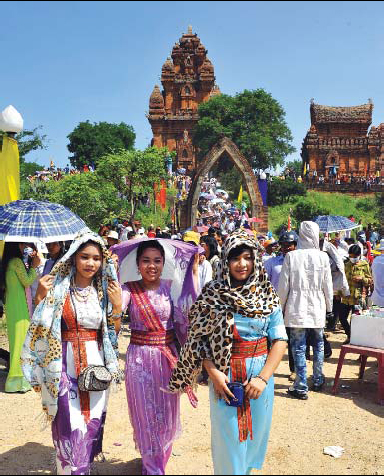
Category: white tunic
[305,284]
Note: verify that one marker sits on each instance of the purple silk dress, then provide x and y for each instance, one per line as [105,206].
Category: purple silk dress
[154,414]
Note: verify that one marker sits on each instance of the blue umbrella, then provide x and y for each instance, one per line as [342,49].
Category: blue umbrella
[333,223]
[31,221]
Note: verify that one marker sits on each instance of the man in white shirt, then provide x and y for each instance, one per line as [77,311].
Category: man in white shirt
[306,294]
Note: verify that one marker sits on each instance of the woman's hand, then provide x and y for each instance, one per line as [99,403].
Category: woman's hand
[196,263]
[45,284]
[219,380]
[115,259]
[36,259]
[115,294]
[254,388]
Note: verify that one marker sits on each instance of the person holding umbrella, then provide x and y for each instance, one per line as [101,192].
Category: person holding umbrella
[16,279]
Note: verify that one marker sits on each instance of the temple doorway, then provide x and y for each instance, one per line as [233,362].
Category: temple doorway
[225,149]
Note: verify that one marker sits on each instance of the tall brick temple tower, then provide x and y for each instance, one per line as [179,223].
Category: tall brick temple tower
[339,138]
[188,79]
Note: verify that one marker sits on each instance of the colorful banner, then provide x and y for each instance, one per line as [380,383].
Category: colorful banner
[9,171]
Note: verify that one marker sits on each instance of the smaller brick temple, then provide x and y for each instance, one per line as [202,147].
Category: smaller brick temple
[188,79]
[339,141]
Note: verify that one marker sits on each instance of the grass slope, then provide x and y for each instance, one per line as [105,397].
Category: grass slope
[362,207]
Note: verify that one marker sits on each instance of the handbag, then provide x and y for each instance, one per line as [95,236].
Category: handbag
[94,378]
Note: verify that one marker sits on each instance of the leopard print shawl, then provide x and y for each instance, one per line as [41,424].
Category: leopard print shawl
[212,317]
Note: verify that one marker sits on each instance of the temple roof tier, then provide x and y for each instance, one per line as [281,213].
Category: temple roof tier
[341,114]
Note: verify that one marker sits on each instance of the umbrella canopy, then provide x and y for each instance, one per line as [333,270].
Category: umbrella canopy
[32,221]
[217,200]
[207,196]
[333,223]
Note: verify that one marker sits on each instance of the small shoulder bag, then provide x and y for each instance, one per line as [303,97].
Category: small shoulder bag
[94,378]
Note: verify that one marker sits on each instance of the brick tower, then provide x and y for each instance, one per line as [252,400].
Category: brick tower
[339,138]
[188,80]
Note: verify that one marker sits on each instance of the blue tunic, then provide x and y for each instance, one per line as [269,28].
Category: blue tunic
[228,454]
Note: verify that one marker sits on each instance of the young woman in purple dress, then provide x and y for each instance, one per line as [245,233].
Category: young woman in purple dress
[151,356]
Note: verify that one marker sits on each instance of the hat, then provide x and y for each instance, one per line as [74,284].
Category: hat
[192,236]
[113,234]
[269,242]
[141,231]
[380,246]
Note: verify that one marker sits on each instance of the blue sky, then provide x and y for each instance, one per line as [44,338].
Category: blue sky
[66,62]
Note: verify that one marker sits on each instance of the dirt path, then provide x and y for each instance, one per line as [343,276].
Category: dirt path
[300,430]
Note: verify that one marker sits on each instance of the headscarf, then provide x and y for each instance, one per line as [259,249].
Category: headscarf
[41,356]
[212,317]
[309,236]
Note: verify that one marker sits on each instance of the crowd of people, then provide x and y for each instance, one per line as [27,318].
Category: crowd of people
[332,177]
[57,173]
[210,306]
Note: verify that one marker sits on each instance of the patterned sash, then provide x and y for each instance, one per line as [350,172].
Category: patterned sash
[78,337]
[151,319]
[242,350]
[153,324]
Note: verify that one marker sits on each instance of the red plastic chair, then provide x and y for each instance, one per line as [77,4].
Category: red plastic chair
[365,352]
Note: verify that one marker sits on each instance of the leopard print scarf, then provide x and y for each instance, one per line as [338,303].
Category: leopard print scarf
[212,317]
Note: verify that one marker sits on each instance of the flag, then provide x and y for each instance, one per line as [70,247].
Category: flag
[157,194]
[9,174]
[305,169]
[9,171]
[289,223]
[163,195]
[240,197]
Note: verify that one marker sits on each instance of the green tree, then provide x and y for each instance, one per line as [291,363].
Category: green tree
[379,215]
[29,140]
[254,120]
[29,168]
[134,172]
[87,195]
[304,211]
[90,142]
[282,191]
[296,166]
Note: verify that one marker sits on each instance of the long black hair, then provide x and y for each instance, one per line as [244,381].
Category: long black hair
[11,250]
[212,243]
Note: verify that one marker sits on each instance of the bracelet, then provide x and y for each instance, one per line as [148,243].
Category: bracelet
[116,317]
[262,378]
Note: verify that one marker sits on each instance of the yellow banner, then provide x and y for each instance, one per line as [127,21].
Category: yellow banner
[9,171]
[240,197]
[9,174]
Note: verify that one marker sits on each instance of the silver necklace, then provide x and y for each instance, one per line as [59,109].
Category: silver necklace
[81,294]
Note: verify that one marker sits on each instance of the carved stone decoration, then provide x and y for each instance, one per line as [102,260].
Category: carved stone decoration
[188,79]
[339,136]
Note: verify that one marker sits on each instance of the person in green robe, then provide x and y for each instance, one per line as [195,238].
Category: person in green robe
[16,279]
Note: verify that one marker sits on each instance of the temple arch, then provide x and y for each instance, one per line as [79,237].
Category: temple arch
[226,147]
